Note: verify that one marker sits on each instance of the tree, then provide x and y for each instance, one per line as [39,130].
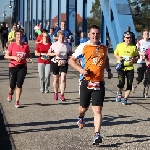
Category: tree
[95,14]
[140,11]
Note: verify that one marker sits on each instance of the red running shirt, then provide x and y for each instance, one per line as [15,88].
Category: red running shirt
[20,51]
[43,49]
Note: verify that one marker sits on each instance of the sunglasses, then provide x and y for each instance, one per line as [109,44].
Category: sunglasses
[128,37]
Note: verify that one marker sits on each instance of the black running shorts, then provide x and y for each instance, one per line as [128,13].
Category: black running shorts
[58,69]
[96,95]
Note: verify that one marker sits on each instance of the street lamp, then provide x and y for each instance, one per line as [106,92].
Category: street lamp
[10,6]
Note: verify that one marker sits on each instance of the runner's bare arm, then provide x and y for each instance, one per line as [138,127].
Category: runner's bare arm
[37,53]
[10,57]
[29,56]
[73,63]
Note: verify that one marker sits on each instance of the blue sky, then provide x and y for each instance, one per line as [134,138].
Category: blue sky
[3,3]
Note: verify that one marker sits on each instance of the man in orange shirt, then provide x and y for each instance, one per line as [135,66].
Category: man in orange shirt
[93,56]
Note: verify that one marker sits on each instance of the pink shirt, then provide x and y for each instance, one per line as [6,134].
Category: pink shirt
[20,51]
[148,54]
[62,48]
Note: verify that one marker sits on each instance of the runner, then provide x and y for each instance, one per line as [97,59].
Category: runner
[61,52]
[83,38]
[24,37]
[51,34]
[4,37]
[40,37]
[142,46]
[43,63]
[68,35]
[94,59]
[11,36]
[147,74]
[125,53]
[17,53]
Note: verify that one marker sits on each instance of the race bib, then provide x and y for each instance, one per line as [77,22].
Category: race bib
[126,58]
[93,85]
[21,55]
[61,62]
[44,56]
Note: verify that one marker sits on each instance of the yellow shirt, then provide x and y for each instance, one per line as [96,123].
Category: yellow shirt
[11,35]
[126,52]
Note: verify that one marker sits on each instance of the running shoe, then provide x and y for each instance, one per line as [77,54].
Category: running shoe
[118,97]
[17,104]
[97,139]
[124,102]
[145,95]
[62,98]
[81,123]
[9,98]
[47,91]
[133,89]
[56,96]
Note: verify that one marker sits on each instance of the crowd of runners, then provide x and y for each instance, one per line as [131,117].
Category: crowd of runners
[54,51]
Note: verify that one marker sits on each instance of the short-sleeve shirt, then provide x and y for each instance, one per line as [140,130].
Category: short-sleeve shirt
[142,45]
[43,49]
[39,38]
[66,32]
[62,48]
[20,51]
[148,55]
[11,35]
[93,58]
[126,52]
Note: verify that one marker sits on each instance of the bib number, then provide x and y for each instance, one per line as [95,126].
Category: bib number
[61,62]
[45,57]
[93,85]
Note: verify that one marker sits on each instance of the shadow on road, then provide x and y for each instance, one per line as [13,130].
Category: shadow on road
[5,142]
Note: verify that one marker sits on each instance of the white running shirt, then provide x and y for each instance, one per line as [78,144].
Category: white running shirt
[142,45]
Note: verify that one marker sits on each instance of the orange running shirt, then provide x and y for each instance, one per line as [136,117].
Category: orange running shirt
[92,57]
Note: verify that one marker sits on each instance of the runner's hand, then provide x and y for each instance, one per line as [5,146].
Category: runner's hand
[120,59]
[16,58]
[131,60]
[38,54]
[142,53]
[30,59]
[83,71]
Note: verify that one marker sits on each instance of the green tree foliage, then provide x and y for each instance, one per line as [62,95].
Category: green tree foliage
[141,13]
[95,14]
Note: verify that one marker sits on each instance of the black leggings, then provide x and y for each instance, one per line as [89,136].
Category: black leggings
[4,42]
[129,74]
[147,76]
[17,76]
[141,72]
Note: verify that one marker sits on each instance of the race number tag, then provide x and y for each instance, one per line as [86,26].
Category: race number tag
[44,56]
[21,55]
[61,62]
[93,85]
